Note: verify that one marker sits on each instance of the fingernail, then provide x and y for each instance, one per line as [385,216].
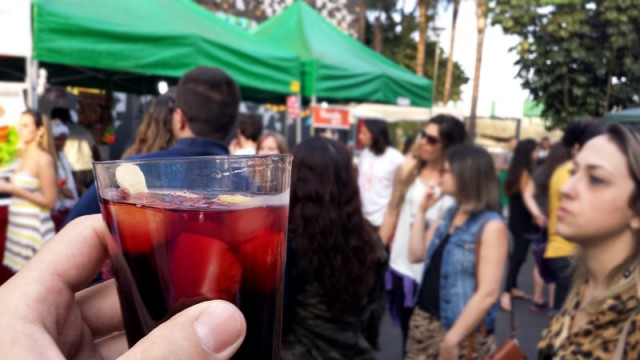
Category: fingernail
[219,326]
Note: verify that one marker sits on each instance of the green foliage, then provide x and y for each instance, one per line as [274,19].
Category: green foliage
[399,44]
[571,50]
[8,146]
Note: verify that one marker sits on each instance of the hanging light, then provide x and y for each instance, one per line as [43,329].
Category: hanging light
[163,87]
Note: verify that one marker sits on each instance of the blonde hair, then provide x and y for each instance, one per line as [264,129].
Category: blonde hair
[626,276]
[154,133]
[45,141]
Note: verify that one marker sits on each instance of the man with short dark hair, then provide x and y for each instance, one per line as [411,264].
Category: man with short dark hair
[205,111]
[247,135]
[543,150]
[80,149]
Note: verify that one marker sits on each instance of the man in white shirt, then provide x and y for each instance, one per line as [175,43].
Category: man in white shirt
[376,168]
[78,149]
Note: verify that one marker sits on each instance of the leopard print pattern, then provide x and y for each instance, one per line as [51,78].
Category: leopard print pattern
[599,337]
[426,335]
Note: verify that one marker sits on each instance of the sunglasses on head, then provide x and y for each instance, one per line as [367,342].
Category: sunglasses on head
[432,140]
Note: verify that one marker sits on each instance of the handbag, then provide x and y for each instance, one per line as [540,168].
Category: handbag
[509,349]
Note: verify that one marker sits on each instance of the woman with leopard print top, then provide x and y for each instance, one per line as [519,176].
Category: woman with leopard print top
[600,211]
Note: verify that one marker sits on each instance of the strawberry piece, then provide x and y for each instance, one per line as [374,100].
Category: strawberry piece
[203,267]
[262,258]
[139,229]
[241,225]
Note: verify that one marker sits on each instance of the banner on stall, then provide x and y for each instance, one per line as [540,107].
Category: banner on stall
[329,117]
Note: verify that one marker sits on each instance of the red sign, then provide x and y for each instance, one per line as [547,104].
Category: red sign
[330,117]
[292,106]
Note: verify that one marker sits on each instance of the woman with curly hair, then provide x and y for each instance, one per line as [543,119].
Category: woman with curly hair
[335,263]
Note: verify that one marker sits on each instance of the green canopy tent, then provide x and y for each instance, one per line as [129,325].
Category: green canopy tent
[631,115]
[129,45]
[336,66]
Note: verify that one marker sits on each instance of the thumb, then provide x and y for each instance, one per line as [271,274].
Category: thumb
[210,330]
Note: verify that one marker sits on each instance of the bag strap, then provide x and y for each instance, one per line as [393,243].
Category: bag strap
[622,340]
[483,328]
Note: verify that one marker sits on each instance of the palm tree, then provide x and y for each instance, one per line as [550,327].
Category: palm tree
[449,74]
[481,17]
[423,6]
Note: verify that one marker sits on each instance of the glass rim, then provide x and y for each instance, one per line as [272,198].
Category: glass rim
[176,159]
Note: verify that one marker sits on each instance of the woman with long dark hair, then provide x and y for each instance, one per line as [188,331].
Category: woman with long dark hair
[377,165]
[521,222]
[335,259]
[413,179]
[465,252]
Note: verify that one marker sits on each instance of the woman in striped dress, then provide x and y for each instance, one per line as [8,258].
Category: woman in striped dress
[34,192]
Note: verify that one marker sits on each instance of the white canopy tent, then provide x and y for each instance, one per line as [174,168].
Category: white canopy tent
[15,28]
[16,39]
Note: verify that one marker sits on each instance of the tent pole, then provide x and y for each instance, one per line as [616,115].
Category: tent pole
[31,81]
[299,121]
[314,102]
[285,126]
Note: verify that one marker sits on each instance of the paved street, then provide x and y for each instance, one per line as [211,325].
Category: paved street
[529,325]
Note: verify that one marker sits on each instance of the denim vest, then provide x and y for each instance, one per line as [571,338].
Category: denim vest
[458,273]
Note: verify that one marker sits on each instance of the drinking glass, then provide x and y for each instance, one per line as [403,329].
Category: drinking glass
[187,230]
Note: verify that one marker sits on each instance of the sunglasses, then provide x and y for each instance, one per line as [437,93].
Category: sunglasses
[432,140]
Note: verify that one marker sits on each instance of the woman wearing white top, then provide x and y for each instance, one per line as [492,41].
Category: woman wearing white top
[377,166]
[412,180]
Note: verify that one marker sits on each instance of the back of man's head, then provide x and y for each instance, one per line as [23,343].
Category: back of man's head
[209,99]
[61,114]
[578,133]
[250,126]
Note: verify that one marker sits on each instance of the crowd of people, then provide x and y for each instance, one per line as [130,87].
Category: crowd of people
[422,234]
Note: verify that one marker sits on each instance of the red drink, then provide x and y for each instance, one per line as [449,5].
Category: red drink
[174,250]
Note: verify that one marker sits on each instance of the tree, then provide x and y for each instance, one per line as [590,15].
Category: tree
[481,19]
[449,74]
[399,27]
[578,59]
[423,6]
